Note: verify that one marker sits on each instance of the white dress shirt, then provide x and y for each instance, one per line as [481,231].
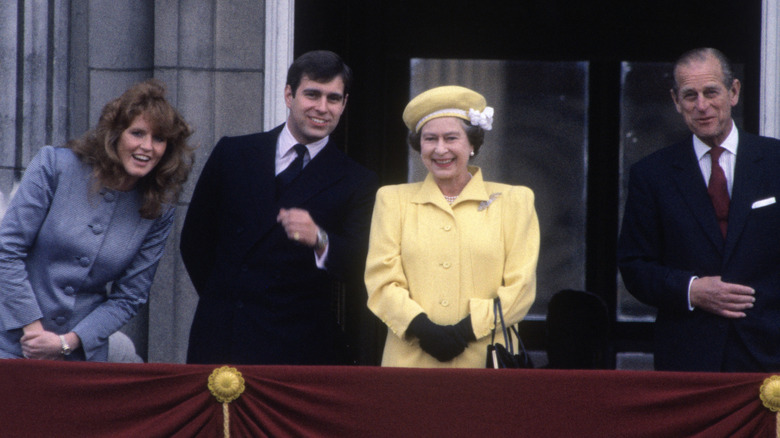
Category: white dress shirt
[285,154]
[727,161]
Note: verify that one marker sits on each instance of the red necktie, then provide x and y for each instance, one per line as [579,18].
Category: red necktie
[718,190]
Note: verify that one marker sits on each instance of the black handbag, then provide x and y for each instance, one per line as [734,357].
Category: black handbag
[503,356]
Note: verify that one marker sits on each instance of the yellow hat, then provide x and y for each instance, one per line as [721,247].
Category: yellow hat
[448,101]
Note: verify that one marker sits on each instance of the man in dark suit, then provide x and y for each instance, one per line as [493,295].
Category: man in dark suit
[700,236]
[263,251]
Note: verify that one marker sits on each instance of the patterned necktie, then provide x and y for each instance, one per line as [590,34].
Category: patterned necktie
[718,190]
[292,171]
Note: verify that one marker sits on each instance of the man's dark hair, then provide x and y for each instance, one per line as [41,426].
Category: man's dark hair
[701,54]
[319,66]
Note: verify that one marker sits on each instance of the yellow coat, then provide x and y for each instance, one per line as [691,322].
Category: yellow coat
[450,261]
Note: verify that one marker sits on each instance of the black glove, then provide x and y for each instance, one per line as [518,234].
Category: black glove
[442,342]
[464,330]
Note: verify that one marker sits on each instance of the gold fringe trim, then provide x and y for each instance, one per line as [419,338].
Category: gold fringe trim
[226,384]
[770,396]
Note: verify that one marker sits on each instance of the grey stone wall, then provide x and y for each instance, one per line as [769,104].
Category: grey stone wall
[63,60]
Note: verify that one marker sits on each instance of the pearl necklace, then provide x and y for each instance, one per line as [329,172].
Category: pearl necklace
[451,199]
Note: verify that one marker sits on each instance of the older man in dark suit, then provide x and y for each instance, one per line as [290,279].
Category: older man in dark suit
[275,219]
[700,236]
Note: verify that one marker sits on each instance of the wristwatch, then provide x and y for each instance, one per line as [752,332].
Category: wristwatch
[322,240]
[66,350]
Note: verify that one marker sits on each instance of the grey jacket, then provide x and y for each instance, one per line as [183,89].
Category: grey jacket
[76,258]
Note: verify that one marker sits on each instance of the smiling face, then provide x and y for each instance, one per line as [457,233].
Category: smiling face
[139,150]
[704,100]
[445,151]
[315,108]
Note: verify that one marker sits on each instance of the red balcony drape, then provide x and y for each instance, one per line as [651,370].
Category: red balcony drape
[56,399]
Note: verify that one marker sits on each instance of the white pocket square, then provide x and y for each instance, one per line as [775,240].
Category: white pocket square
[764,202]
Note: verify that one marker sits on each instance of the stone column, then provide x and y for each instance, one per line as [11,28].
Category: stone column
[33,71]
[278,57]
[769,123]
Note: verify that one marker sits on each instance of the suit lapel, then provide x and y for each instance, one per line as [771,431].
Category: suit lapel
[691,185]
[747,184]
[258,162]
[319,174]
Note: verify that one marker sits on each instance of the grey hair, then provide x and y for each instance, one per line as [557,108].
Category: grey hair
[701,54]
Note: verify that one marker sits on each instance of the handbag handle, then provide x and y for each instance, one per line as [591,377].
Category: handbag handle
[521,346]
[499,313]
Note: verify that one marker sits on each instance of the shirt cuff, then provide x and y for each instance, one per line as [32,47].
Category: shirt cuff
[690,282]
[320,260]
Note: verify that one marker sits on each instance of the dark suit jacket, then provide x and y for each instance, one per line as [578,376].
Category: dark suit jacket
[670,234]
[262,298]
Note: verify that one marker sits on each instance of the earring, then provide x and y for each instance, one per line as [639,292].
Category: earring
[471,154]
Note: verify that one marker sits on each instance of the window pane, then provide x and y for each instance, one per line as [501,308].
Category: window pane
[539,139]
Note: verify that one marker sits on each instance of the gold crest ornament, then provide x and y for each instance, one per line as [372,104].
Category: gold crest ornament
[226,384]
[770,396]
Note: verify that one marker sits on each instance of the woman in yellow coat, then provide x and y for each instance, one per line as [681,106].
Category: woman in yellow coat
[442,250]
